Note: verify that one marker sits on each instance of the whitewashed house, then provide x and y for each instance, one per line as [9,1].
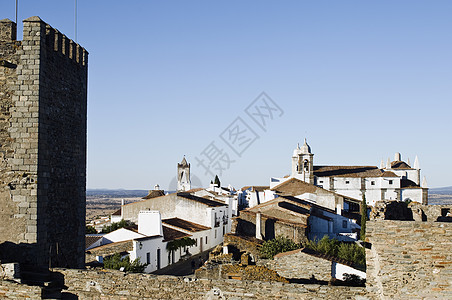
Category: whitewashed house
[395,181]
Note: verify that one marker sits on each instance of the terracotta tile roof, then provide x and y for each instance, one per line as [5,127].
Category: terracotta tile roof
[397,164]
[388,174]
[347,171]
[208,202]
[408,184]
[112,248]
[194,190]
[184,224]
[294,187]
[255,188]
[170,234]
[91,239]
[154,194]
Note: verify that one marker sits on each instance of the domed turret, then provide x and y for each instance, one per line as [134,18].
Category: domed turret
[305,149]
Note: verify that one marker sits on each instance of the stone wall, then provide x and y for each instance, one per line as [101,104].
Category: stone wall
[299,265]
[409,259]
[13,290]
[43,94]
[110,284]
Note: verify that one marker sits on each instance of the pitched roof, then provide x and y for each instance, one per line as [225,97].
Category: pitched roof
[397,164]
[184,224]
[154,194]
[112,248]
[194,190]
[282,211]
[347,171]
[117,213]
[408,184]
[91,239]
[208,202]
[256,188]
[388,174]
[294,187]
[170,234]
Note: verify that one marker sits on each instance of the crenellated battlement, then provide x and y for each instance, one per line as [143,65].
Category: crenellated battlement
[61,43]
[54,40]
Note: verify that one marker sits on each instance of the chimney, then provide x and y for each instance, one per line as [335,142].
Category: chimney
[397,157]
[150,223]
[156,187]
[122,202]
[258,226]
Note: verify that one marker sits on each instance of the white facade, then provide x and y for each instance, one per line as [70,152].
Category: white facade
[119,235]
[397,181]
[333,225]
[339,270]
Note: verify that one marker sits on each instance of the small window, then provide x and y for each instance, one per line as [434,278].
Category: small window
[372,183]
[148,258]
[206,239]
[224,229]
[321,181]
[347,182]
[390,181]
[344,224]
[215,233]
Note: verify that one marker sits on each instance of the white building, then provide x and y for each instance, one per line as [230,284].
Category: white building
[148,242]
[395,181]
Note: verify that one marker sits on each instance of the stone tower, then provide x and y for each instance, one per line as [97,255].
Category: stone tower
[43,96]
[303,163]
[183,176]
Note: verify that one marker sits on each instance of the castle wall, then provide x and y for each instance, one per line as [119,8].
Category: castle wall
[43,136]
[409,259]
[117,285]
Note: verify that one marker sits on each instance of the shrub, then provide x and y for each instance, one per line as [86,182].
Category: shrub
[90,230]
[278,245]
[348,251]
[116,225]
[115,262]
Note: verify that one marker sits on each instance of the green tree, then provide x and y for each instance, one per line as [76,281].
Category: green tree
[183,242]
[278,245]
[363,218]
[116,225]
[217,181]
[349,251]
[116,262]
[90,230]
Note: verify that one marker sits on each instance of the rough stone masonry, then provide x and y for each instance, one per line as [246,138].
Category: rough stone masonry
[43,98]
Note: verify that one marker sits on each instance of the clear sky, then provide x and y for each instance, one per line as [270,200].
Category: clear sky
[360,80]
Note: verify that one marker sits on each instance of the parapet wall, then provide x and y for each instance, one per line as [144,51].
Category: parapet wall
[114,285]
[409,259]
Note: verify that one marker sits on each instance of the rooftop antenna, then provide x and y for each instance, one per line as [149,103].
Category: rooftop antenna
[75,20]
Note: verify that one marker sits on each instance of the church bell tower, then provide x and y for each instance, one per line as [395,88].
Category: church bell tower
[303,163]
[183,176]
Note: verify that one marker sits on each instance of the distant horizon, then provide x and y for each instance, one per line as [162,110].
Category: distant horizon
[235,85]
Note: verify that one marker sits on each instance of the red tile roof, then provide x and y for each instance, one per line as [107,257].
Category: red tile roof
[397,164]
[347,171]
[154,194]
[184,224]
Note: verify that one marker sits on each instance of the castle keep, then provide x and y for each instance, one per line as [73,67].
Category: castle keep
[43,97]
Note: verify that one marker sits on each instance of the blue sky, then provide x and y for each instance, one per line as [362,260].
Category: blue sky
[360,79]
